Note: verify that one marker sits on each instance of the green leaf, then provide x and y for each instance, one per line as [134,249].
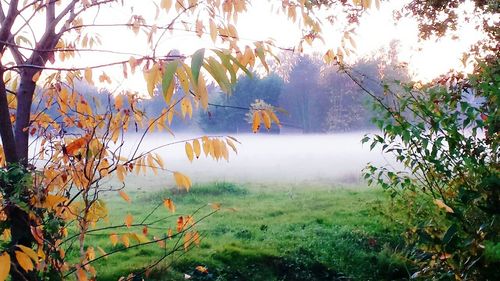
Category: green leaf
[452,230]
[196,63]
[168,76]
[227,64]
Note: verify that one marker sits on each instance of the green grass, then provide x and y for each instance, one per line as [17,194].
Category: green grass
[266,233]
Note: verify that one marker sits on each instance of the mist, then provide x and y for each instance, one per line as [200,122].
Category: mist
[319,158]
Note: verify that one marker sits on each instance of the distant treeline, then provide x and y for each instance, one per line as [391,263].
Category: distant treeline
[309,97]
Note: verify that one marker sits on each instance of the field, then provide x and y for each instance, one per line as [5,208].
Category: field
[263,232]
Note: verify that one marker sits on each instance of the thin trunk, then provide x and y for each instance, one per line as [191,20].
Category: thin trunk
[23,113]
[8,142]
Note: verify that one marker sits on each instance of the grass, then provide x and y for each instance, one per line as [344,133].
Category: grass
[266,233]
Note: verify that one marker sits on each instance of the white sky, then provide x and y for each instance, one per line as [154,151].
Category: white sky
[426,60]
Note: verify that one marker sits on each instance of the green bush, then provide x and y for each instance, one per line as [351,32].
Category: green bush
[445,136]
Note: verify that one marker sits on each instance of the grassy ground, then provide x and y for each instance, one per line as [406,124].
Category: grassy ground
[266,233]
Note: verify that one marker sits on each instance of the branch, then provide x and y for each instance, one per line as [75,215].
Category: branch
[7,23]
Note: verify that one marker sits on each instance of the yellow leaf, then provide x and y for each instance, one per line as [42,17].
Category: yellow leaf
[186,107]
[120,172]
[28,251]
[124,196]
[197,148]
[266,119]
[187,240]
[103,253]
[128,220]
[274,117]
[90,253]
[4,266]
[213,30]
[88,76]
[114,239]
[189,151]
[202,92]
[169,204]
[182,180]
[166,4]
[256,122]
[442,205]
[24,261]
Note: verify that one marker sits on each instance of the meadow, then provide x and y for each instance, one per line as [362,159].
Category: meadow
[262,232]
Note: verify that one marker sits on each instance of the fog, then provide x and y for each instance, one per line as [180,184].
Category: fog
[261,158]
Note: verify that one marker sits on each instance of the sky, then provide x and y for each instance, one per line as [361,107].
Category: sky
[426,60]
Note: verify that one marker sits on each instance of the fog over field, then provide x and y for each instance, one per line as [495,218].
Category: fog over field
[261,158]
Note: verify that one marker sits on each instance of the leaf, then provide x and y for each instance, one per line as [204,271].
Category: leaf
[168,78]
[166,4]
[182,180]
[232,145]
[114,239]
[24,261]
[125,240]
[28,251]
[81,275]
[129,219]
[189,151]
[36,76]
[196,63]
[4,266]
[102,252]
[88,76]
[180,223]
[169,204]
[124,196]
[202,92]
[197,148]
[76,145]
[121,172]
[452,230]
[213,30]
[266,119]
[442,205]
[256,122]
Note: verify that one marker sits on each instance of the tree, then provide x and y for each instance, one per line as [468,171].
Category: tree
[224,118]
[60,185]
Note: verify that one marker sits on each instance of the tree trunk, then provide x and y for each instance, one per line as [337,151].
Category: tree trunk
[8,142]
[23,113]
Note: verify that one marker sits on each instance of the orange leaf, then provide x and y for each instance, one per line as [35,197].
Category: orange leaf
[145,231]
[256,122]
[124,196]
[76,145]
[36,76]
[169,204]
[442,205]
[125,240]
[180,223]
[28,251]
[202,269]
[170,232]
[81,275]
[4,266]
[24,261]
[128,220]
